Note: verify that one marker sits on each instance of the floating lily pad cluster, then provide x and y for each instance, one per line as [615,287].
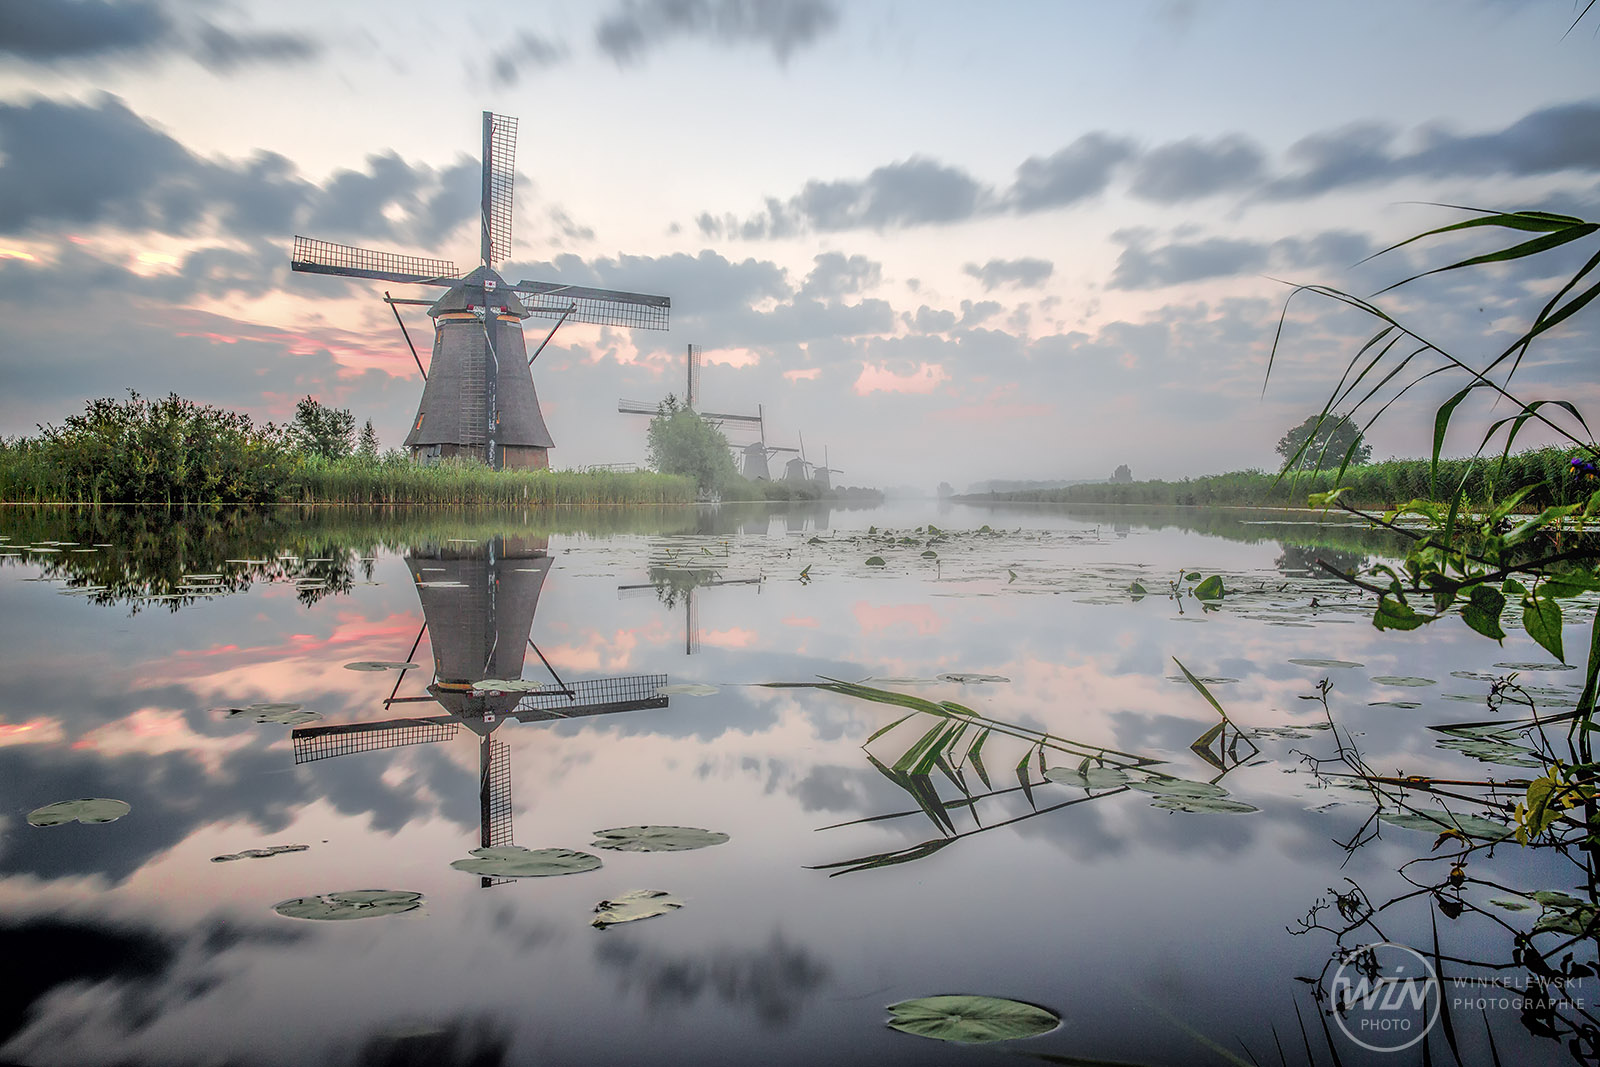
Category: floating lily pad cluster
[1437,821]
[350,904]
[88,810]
[379,665]
[514,861]
[259,853]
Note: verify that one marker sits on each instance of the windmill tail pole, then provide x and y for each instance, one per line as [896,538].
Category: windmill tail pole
[407,332]
[551,334]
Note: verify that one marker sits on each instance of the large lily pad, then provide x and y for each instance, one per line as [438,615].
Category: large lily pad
[1326,663]
[350,904]
[1088,777]
[1204,805]
[1537,666]
[1395,679]
[1178,787]
[970,1020]
[656,838]
[378,665]
[283,713]
[1490,750]
[92,809]
[633,906]
[514,861]
[1434,822]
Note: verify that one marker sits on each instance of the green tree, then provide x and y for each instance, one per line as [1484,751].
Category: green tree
[323,431]
[681,442]
[1321,442]
[1123,473]
[368,448]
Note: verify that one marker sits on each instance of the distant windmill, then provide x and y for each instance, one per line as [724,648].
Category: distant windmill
[797,469]
[478,603]
[691,400]
[754,467]
[478,398]
[821,474]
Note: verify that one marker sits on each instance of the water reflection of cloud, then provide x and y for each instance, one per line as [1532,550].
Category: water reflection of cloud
[775,982]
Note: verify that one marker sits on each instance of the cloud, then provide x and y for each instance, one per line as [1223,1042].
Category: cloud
[53,31]
[1553,139]
[784,26]
[1191,168]
[1140,267]
[1025,273]
[527,51]
[1080,170]
[835,275]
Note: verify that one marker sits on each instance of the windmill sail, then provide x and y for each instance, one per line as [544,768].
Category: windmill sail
[324,257]
[499,178]
[601,307]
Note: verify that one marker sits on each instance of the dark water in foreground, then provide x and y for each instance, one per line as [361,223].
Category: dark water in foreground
[1157,935]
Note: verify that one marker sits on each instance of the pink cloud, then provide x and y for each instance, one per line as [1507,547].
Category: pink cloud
[878,378]
[810,374]
[801,620]
[875,618]
[737,637]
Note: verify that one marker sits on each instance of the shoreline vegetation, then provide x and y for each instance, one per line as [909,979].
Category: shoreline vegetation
[1546,473]
[172,451]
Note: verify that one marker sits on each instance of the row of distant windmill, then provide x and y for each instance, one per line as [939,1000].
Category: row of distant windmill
[478,396]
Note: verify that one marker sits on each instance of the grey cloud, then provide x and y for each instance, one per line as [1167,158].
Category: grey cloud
[909,192]
[1191,168]
[1552,139]
[974,314]
[528,51]
[1025,273]
[930,320]
[224,51]
[1334,248]
[1080,170]
[784,26]
[835,275]
[354,202]
[47,31]
[1140,267]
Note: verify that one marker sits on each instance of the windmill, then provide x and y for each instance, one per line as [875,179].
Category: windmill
[478,604]
[754,467]
[478,397]
[691,400]
[821,474]
[797,469]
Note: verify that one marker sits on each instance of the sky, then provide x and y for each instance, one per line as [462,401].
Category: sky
[933,241]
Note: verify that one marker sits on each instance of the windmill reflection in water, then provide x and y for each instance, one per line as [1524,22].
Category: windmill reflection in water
[478,604]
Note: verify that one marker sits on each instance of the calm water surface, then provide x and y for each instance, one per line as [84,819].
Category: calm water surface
[1158,935]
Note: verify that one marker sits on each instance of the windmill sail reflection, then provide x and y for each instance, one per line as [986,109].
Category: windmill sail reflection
[478,604]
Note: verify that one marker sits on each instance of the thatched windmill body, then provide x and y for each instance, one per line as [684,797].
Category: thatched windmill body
[478,397]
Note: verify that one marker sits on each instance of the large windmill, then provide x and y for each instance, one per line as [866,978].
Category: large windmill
[478,603]
[478,398]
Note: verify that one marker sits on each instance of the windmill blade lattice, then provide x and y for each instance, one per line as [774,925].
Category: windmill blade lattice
[325,257]
[600,307]
[499,179]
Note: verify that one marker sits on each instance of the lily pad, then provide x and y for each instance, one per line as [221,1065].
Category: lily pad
[1178,787]
[1492,751]
[1537,666]
[1510,903]
[514,861]
[1433,822]
[1204,805]
[93,809]
[1326,663]
[633,906]
[378,665]
[350,904]
[656,838]
[969,1020]
[260,853]
[876,561]
[1088,777]
[970,679]
[1394,679]
[1393,704]
[282,714]
[687,689]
